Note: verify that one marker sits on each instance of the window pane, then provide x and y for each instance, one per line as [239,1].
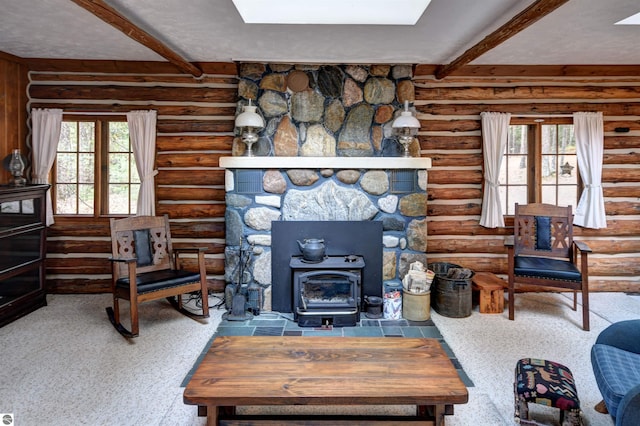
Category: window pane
[515,194]
[568,196]
[568,174]
[118,168]
[66,198]
[86,198]
[549,169]
[549,137]
[517,169]
[503,199]
[118,137]
[517,142]
[514,169]
[123,175]
[118,199]
[566,139]
[549,194]
[135,189]
[68,137]
[87,136]
[87,168]
[67,168]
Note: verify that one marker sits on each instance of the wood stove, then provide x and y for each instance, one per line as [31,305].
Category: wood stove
[361,238]
[327,293]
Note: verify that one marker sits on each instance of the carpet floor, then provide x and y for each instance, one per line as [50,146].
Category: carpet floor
[64,364]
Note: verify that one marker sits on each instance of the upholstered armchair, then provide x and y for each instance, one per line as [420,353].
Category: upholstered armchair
[615,358]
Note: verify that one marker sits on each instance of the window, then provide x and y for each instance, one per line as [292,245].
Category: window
[539,165]
[95,172]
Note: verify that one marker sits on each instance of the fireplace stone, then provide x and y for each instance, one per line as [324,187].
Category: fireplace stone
[355,190]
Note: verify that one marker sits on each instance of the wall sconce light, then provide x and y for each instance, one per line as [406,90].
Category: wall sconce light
[249,123]
[405,128]
[16,168]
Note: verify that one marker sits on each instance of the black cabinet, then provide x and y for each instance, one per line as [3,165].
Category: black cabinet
[22,250]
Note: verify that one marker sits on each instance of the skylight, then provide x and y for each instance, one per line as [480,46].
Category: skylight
[631,20]
[332,12]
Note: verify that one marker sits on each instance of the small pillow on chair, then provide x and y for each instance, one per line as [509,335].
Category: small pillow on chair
[142,244]
[543,233]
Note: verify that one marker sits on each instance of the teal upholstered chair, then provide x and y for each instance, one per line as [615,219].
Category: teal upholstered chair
[615,358]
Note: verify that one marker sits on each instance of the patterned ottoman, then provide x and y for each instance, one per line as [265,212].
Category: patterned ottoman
[547,383]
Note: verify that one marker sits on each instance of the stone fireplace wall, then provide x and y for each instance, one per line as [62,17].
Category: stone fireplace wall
[323,194]
[324,111]
[328,110]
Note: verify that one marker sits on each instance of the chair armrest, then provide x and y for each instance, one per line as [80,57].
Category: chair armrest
[508,241]
[200,251]
[624,335]
[629,409]
[583,247]
[122,259]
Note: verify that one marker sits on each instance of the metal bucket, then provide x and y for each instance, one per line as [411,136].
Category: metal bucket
[451,297]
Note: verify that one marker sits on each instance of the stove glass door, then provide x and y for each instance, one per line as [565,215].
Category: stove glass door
[327,290]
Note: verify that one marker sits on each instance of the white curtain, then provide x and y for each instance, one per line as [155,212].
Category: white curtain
[45,134]
[495,132]
[142,132]
[589,130]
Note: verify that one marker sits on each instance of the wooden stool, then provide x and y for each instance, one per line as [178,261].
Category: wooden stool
[491,290]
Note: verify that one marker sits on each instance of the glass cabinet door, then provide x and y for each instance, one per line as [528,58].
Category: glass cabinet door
[22,250]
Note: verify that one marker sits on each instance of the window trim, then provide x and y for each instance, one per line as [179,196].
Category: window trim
[101,170]
[534,152]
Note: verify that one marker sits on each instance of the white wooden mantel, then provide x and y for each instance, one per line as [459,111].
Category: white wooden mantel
[382,163]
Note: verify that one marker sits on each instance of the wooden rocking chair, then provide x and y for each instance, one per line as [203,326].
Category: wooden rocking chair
[543,252]
[146,267]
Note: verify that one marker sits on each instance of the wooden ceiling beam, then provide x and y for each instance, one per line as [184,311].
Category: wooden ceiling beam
[536,11]
[112,17]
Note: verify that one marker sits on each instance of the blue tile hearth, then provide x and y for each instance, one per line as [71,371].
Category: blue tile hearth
[276,324]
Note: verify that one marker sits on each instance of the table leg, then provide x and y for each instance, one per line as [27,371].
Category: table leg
[215,413]
[212,415]
[438,414]
[435,412]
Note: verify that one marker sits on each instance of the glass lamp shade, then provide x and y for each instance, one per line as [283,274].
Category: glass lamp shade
[249,117]
[248,123]
[16,168]
[406,119]
[405,128]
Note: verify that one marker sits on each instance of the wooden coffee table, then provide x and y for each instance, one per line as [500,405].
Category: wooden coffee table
[305,370]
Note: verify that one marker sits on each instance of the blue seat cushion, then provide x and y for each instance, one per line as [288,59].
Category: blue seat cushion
[543,267]
[616,371]
[159,280]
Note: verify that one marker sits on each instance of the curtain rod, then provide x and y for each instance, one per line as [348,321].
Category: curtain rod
[542,115]
[92,113]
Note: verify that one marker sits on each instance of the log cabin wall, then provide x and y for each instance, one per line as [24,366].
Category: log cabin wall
[449,111]
[13,122]
[194,128]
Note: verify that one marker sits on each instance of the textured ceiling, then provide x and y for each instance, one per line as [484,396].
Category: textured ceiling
[579,32]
